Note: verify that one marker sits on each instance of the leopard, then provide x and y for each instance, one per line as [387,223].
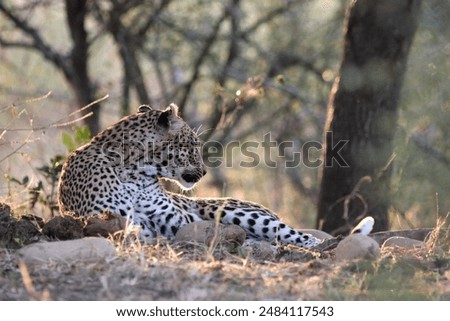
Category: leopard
[122,170]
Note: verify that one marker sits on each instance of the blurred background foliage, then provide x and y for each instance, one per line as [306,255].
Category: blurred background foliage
[237,69]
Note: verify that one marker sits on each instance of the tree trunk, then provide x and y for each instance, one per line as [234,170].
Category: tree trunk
[73,65]
[77,74]
[363,112]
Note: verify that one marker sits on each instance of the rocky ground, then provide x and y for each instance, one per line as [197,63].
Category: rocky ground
[102,259]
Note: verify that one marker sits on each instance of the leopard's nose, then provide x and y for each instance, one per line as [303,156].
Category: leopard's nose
[191,178]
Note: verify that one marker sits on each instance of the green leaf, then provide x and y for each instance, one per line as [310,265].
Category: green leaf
[82,135]
[68,141]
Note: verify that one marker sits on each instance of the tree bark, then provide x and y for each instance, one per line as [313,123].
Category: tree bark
[78,76]
[363,112]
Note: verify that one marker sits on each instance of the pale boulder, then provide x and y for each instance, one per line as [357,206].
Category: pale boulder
[357,246]
[90,249]
[403,242]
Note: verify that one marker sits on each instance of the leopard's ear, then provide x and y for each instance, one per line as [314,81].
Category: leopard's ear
[168,116]
[144,108]
[174,109]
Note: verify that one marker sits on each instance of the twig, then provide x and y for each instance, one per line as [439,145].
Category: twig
[62,121]
[354,193]
[17,149]
[384,170]
[68,123]
[87,106]
[430,150]
[26,101]
[347,198]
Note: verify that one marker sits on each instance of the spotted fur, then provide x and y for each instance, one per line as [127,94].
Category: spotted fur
[120,170]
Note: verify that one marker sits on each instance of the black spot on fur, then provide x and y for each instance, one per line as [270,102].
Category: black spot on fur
[168,218]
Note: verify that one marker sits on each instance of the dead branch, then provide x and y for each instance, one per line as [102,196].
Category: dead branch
[23,102]
[22,144]
[429,150]
[219,105]
[201,58]
[152,19]
[37,43]
[62,122]
[267,18]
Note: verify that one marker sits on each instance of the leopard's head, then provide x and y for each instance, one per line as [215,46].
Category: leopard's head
[176,150]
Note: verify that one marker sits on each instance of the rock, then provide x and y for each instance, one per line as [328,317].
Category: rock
[409,244]
[5,212]
[416,234]
[404,242]
[104,225]
[206,231]
[90,249]
[357,246]
[294,255]
[15,233]
[260,250]
[317,233]
[26,231]
[63,228]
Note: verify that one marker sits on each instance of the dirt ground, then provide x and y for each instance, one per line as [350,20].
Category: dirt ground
[190,271]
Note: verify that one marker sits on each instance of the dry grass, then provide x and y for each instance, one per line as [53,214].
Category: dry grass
[189,271]
[192,271]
